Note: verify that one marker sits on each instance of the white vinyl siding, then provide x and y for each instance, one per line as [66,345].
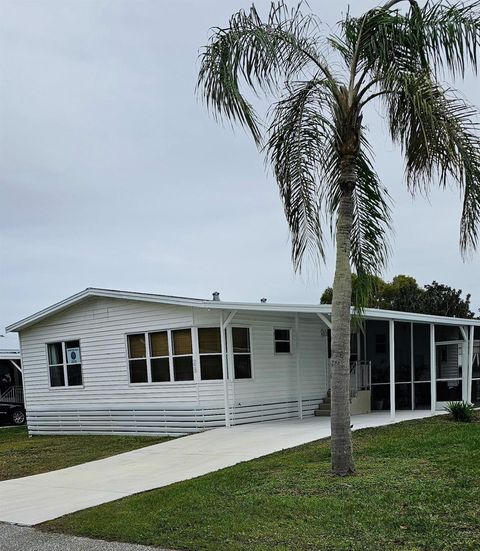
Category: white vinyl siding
[109,402]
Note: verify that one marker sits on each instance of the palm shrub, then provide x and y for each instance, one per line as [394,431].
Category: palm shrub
[315,137]
[461,411]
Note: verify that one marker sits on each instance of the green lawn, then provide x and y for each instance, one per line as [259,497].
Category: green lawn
[23,456]
[417,488]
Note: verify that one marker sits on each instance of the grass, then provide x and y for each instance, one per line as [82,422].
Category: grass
[24,456]
[417,488]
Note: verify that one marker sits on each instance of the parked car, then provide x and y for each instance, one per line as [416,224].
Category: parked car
[12,412]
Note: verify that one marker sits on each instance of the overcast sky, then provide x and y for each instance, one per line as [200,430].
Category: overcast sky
[113,175]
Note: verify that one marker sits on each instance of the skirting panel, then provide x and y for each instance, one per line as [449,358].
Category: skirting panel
[154,420]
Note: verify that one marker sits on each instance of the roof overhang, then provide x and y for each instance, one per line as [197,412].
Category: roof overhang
[314,309]
[10,355]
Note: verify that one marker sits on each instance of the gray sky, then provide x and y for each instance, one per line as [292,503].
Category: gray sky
[113,175]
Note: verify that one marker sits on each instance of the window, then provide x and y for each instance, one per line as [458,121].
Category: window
[64,363]
[137,354]
[210,350]
[160,356]
[182,355]
[242,362]
[282,341]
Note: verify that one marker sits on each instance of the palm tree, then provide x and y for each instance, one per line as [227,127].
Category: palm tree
[315,138]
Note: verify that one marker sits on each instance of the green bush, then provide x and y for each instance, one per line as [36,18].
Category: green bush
[461,411]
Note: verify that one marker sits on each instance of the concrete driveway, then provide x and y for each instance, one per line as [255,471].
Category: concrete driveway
[35,499]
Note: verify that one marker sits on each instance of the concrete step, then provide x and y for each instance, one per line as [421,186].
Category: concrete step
[322,413]
[324,406]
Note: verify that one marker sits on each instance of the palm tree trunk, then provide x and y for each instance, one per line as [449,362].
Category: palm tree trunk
[342,453]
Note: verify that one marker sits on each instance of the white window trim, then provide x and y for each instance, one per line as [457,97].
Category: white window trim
[200,354]
[64,364]
[195,356]
[193,335]
[148,358]
[231,353]
[290,341]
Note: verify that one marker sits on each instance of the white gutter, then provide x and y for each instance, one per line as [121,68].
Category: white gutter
[319,309]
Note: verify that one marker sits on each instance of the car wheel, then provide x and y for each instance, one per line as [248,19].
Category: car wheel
[18,417]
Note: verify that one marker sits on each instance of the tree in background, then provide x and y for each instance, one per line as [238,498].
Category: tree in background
[445,301]
[403,294]
[316,138]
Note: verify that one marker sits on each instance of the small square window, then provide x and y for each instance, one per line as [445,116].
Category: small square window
[160,370]
[159,344]
[136,346]
[282,341]
[57,376]
[241,339]
[138,371]
[183,368]
[211,367]
[243,366]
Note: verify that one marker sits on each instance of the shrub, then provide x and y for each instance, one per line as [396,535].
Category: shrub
[461,411]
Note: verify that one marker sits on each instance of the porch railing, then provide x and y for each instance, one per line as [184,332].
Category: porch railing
[13,394]
[360,376]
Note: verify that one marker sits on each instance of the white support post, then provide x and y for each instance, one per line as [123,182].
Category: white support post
[391,334]
[298,366]
[412,366]
[465,363]
[224,369]
[433,370]
[470,363]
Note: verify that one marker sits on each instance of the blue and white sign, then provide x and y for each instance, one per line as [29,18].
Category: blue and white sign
[73,355]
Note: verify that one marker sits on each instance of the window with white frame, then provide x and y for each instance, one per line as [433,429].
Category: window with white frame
[242,360]
[137,358]
[182,353]
[281,339]
[64,363]
[161,356]
[210,352]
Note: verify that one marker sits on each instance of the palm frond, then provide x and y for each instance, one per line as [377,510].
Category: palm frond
[261,54]
[450,34]
[435,37]
[298,133]
[440,136]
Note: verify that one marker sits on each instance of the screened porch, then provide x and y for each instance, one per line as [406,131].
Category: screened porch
[418,365]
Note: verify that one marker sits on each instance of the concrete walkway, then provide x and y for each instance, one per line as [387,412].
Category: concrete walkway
[21,538]
[35,499]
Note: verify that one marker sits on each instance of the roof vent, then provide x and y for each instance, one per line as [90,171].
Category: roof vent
[263,300]
[216,295]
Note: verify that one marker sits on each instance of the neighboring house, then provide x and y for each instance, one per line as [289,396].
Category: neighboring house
[11,385]
[105,361]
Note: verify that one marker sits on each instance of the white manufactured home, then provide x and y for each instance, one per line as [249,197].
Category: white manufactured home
[105,361]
